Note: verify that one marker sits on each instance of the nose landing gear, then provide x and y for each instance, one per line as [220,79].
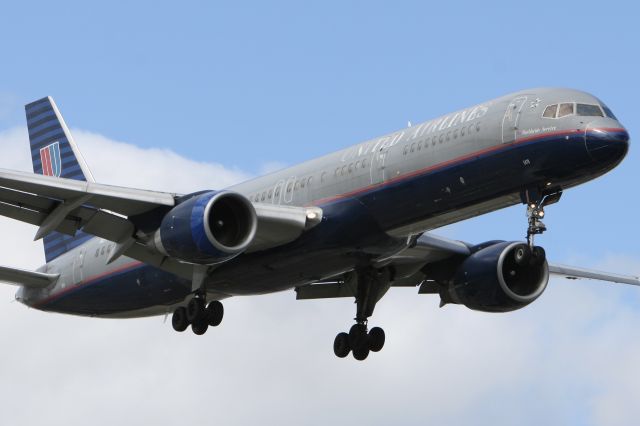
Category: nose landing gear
[536,202]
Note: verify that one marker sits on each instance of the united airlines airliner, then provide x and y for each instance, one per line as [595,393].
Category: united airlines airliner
[354,223]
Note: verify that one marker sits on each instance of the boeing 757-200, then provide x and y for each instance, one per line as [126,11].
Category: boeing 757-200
[353,223]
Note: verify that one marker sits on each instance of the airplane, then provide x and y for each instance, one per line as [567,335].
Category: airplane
[353,223]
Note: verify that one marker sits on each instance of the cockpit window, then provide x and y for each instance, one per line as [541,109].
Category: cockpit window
[565,109]
[589,110]
[608,112]
[550,111]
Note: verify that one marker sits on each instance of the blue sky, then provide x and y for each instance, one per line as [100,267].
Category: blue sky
[246,84]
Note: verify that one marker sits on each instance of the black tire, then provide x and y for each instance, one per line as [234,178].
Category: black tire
[215,312]
[179,319]
[538,256]
[358,336]
[341,345]
[195,309]
[522,254]
[361,353]
[200,326]
[376,339]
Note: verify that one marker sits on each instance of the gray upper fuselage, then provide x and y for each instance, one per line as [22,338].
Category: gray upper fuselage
[420,146]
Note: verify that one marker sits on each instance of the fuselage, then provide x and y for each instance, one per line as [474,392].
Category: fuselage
[374,195]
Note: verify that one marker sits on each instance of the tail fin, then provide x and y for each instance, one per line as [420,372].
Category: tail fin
[54,153]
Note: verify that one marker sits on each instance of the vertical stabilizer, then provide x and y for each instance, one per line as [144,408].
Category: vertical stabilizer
[54,153]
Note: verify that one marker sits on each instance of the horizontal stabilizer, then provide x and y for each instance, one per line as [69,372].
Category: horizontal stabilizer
[26,278]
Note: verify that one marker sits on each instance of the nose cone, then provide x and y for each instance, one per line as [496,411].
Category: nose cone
[607,143]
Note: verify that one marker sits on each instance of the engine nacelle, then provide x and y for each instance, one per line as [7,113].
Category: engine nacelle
[496,278]
[207,228]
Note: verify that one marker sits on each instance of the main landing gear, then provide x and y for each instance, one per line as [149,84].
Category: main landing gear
[369,286]
[197,314]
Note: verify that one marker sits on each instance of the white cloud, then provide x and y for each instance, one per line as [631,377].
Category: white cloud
[569,358]
[124,164]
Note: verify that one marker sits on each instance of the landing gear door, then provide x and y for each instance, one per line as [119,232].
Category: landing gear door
[511,119]
[78,265]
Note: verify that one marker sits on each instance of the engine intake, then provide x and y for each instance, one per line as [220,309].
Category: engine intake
[207,228]
[500,277]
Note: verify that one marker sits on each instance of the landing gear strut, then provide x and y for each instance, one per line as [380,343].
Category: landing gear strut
[197,314]
[536,202]
[369,285]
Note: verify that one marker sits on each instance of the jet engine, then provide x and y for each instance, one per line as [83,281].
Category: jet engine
[498,277]
[207,228]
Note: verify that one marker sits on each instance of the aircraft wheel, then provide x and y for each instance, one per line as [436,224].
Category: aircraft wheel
[215,312]
[179,319]
[341,345]
[357,336]
[522,254]
[195,309]
[362,352]
[200,327]
[376,339]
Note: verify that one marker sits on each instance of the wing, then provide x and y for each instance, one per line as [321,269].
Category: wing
[115,214]
[573,273]
[428,249]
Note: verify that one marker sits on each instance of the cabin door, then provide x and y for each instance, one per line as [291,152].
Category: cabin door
[378,160]
[511,119]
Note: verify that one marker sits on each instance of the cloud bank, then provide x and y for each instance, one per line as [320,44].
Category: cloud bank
[569,358]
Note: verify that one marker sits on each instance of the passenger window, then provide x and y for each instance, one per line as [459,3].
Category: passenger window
[270,195]
[455,134]
[350,167]
[277,193]
[364,163]
[264,195]
[289,187]
[550,111]
[419,147]
[404,151]
[462,132]
[441,137]
[433,141]
[589,110]
[413,147]
[309,180]
[565,110]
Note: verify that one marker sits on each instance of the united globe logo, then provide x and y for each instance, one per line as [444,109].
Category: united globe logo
[51,160]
